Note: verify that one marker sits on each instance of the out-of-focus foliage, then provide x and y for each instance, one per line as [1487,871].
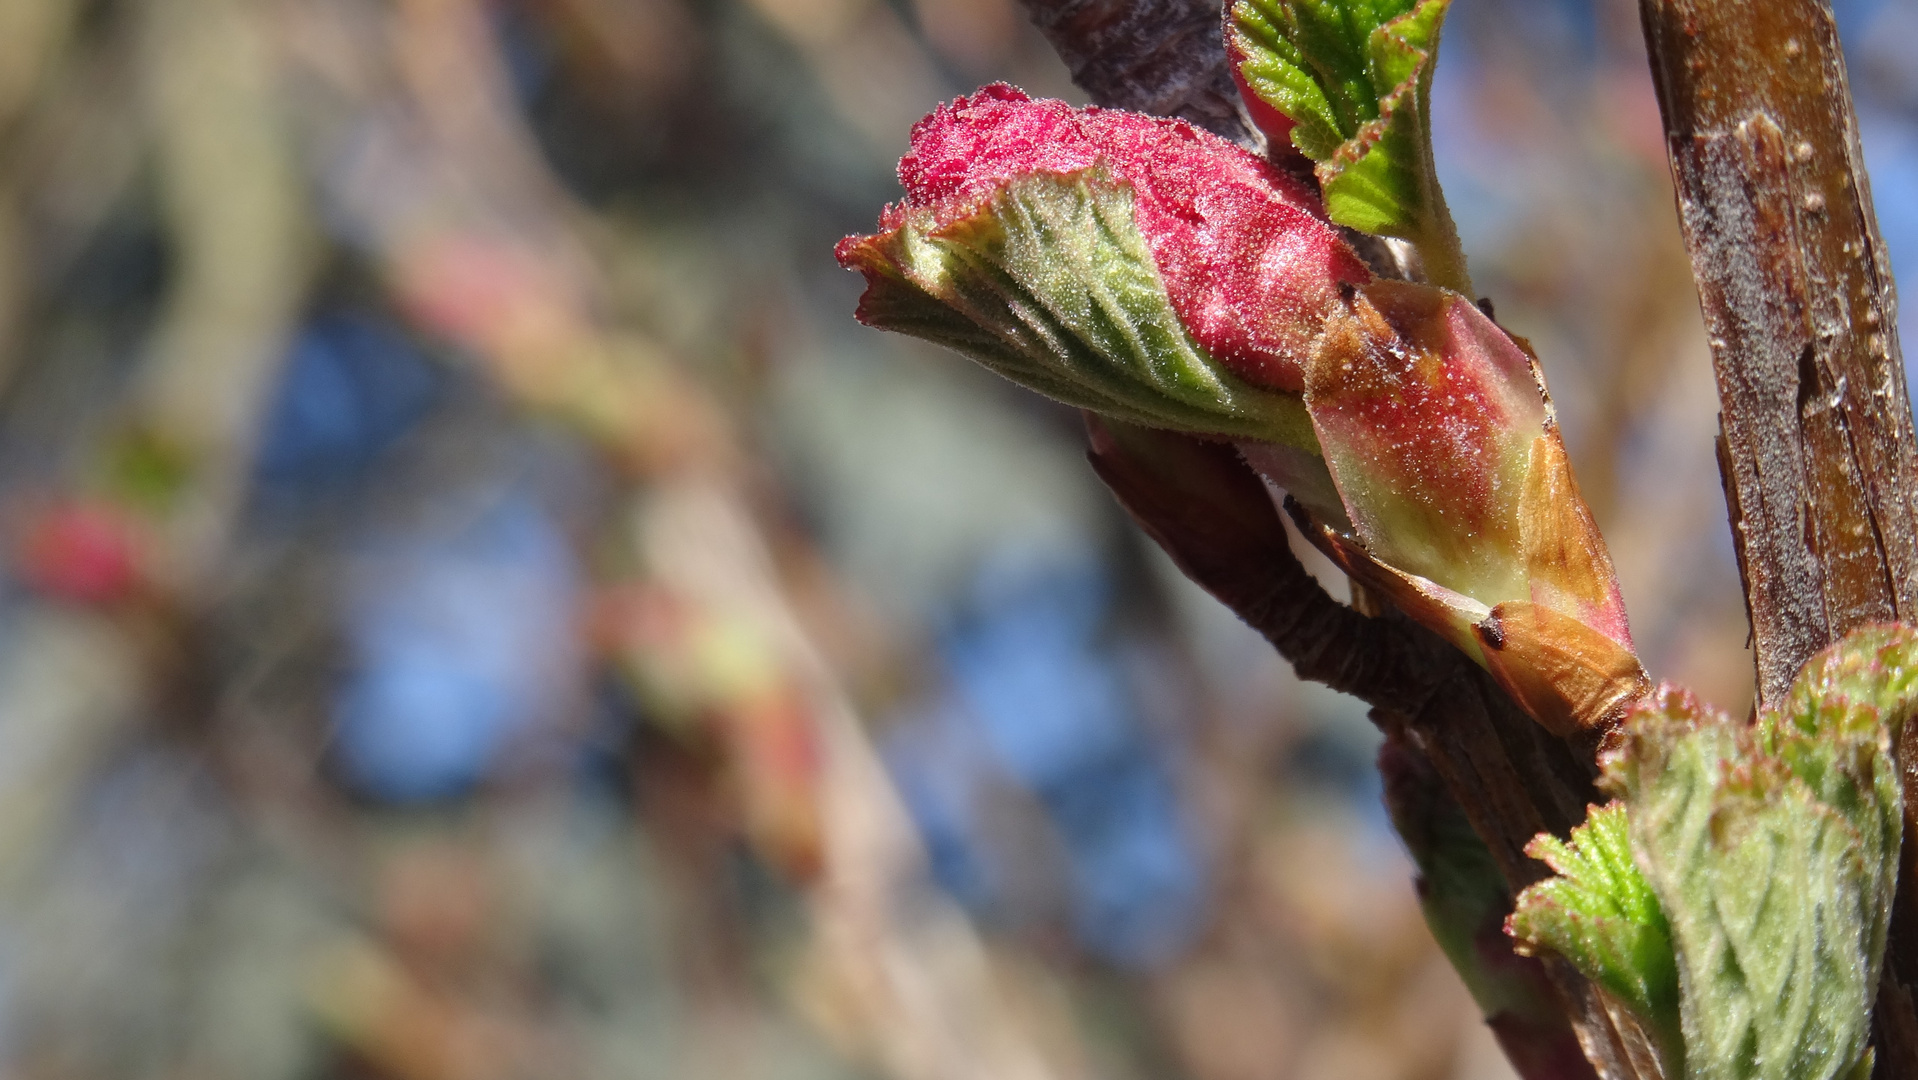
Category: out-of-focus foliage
[473,605]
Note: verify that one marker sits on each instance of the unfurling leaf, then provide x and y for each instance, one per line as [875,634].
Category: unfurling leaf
[1237,249]
[1836,730]
[1161,276]
[1049,282]
[1773,851]
[1349,83]
[1600,914]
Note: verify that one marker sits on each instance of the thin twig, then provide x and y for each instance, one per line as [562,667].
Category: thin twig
[1510,777]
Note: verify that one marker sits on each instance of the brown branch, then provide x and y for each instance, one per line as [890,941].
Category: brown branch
[1816,442]
[1213,516]
[1510,777]
[1819,456]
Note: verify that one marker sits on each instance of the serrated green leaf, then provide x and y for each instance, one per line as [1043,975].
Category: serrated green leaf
[1051,284]
[1767,913]
[1600,914]
[1382,179]
[1310,60]
[1355,79]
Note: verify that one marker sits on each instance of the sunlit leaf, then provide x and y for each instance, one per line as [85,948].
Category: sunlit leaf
[1050,283]
[1600,914]
[1773,851]
[1353,79]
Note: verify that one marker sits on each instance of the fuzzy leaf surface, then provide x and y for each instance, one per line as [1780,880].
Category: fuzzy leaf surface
[1773,850]
[1836,731]
[1050,283]
[1600,914]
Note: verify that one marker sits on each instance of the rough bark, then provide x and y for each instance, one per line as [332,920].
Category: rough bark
[1816,442]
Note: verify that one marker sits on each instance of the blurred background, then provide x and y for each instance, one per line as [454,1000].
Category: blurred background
[474,605]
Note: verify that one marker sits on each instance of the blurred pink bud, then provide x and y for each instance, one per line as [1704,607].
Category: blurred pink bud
[80,551]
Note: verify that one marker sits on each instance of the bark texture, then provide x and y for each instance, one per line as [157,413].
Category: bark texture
[1816,443]
[1817,436]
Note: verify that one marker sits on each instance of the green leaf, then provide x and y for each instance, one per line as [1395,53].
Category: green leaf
[1601,915]
[1310,59]
[1773,850]
[1767,912]
[1355,79]
[1051,284]
[1836,731]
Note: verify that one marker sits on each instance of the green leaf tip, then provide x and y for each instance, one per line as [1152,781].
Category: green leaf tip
[1601,915]
[1867,681]
[1773,851]
[1349,82]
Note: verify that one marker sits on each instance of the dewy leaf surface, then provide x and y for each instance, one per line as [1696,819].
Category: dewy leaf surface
[1600,914]
[1353,78]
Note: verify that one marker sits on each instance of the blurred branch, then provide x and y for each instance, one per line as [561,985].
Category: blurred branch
[57,95]
[33,38]
[1161,56]
[1817,450]
[236,202]
[486,254]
